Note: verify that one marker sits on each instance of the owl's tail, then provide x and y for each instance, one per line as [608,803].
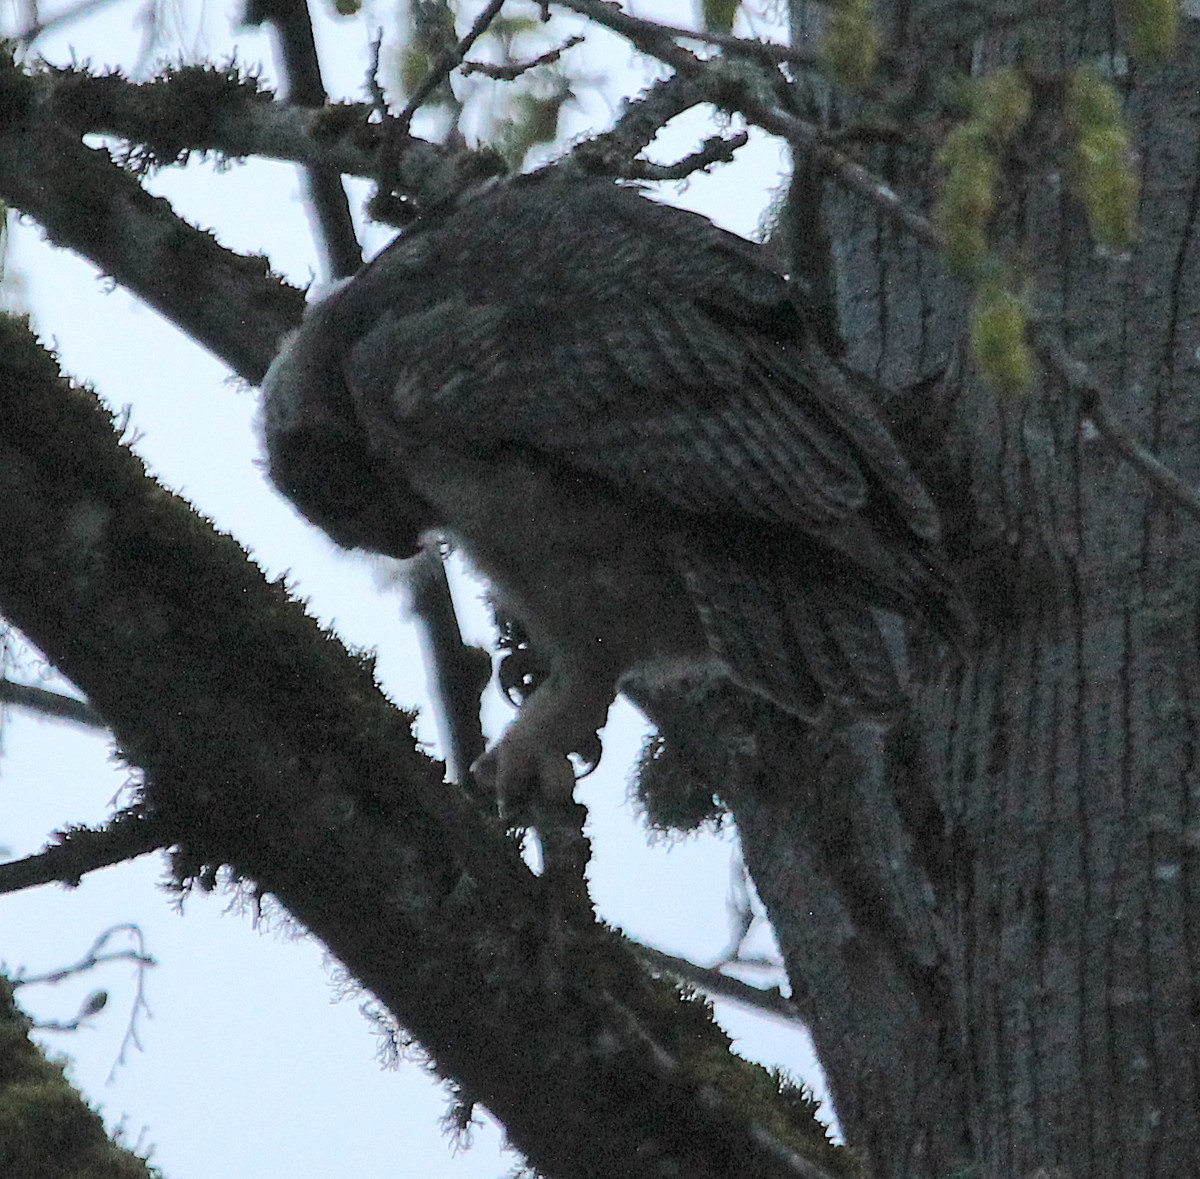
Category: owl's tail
[804,647]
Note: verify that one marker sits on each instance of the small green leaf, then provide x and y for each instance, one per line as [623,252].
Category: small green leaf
[1101,172]
[998,339]
[718,15]
[852,43]
[1153,27]
[968,195]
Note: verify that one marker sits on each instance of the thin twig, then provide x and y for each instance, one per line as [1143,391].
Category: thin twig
[1093,405]
[447,61]
[770,52]
[737,94]
[510,73]
[83,849]
[302,72]
[710,979]
[51,704]
[651,38]
[95,956]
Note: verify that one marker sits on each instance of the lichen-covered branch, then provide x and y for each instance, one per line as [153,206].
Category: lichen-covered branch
[290,766]
[231,304]
[46,1127]
[79,850]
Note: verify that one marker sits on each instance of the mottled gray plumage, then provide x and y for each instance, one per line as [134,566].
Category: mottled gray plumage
[615,408]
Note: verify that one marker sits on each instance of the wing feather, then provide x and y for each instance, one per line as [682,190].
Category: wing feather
[649,349]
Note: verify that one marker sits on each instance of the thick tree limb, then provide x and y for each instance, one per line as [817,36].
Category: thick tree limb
[291,767]
[231,304]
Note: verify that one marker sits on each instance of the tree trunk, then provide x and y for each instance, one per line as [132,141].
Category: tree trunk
[991,912]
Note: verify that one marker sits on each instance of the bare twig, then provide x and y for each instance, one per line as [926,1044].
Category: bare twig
[734,91]
[510,73]
[651,38]
[80,850]
[1093,405]
[447,61]
[51,704]
[302,70]
[716,149]
[98,1000]
[710,979]
[96,955]
[770,52]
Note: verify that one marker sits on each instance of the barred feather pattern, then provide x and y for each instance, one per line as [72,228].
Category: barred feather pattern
[651,382]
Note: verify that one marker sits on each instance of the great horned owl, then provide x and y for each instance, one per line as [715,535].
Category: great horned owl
[617,411]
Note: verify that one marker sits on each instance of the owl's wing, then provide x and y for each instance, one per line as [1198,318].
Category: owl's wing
[644,346]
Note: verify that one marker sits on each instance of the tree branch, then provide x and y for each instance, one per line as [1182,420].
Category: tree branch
[231,304]
[1093,405]
[51,704]
[302,70]
[294,769]
[223,111]
[712,980]
[79,850]
[735,89]
[448,61]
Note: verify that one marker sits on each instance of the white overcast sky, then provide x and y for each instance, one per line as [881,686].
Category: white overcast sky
[254,1063]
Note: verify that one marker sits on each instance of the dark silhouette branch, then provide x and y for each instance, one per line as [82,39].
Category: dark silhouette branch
[447,62]
[50,704]
[611,152]
[714,982]
[302,72]
[510,73]
[716,149]
[233,305]
[733,91]
[96,955]
[80,850]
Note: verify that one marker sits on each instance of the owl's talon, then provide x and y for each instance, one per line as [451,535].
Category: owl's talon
[513,773]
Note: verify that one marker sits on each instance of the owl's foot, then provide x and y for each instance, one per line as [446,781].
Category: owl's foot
[531,760]
[513,771]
